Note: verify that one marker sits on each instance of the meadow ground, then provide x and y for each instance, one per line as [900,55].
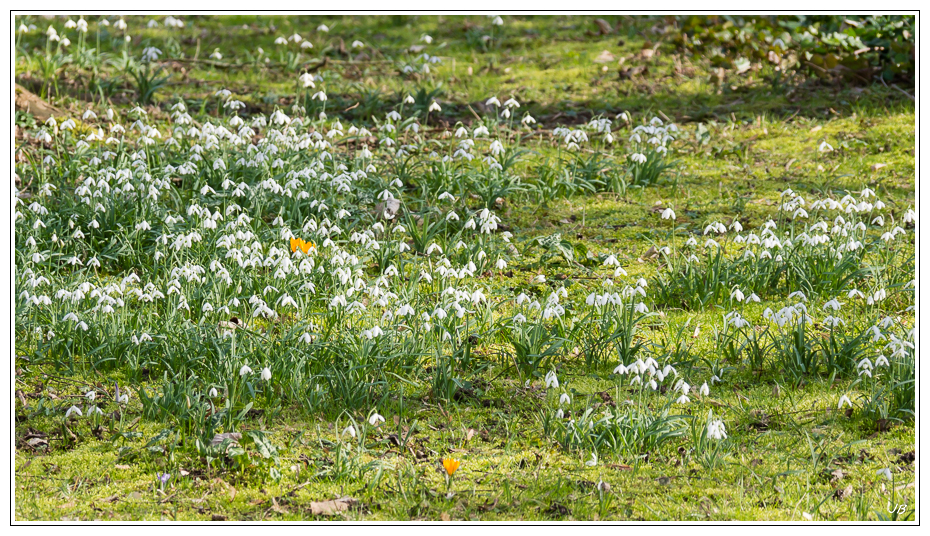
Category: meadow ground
[361,296]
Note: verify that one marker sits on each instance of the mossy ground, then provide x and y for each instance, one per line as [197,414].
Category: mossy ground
[788,439]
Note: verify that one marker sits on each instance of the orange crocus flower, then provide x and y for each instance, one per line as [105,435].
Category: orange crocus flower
[450,465]
[302,245]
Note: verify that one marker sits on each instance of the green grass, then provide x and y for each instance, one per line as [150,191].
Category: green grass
[744,140]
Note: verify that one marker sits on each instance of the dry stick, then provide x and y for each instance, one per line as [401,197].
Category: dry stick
[473,112]
[895,86]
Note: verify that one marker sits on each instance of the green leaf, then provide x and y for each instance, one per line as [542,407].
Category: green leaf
[161,435]
[262,444]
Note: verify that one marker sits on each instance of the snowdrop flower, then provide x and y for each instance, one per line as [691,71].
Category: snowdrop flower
[212,393]
[552,380]
[668,214]
[349,430]
[639,158]
[886,472]
[494,101]
[245,370]
[306,80]
[825,147]
[704,390]
[375,419]
[844,400]
[90,395]
[73,410]
[716,430]
[266,374]
[593,461]
[737,295]
[564,399]
[434,107]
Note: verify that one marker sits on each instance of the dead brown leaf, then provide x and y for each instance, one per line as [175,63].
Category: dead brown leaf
[335,506]
[276,507]
[604,57]
[841,494]
[650,254]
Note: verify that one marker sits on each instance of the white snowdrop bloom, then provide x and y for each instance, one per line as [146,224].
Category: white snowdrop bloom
[552,380]
[844,400]
[668,214]
[245,370]
[716,430]
[375,419]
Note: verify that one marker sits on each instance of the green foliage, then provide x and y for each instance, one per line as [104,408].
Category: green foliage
[854,48]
